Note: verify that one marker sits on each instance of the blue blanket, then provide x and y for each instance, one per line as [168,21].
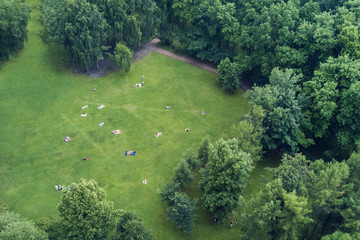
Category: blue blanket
[130,153]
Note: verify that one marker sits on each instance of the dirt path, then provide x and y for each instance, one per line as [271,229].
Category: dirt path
[151,46]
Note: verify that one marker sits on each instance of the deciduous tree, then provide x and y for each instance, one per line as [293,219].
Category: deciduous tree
[85,213]
[14,16]
[181,212]
[225,177]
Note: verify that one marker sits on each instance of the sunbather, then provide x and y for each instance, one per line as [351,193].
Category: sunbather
[67,138]
[116,132]
[101,106]
[84,107]
[158,134]
[84,114]
[101,124]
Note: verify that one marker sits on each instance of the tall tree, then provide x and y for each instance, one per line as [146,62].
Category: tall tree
[249,130]
[191,158]
[225,177]
[275,214]
[14,227]
[84,212]
[131,227]
[228,76]
[326,187]
[14,16]
[79,26]
[293,173]
[122,57]
[280,99]
[181,212]
[203,152]
[183,174]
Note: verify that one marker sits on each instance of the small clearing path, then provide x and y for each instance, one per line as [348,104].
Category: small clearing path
[151,46]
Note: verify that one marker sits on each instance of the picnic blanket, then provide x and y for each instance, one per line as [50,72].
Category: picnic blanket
[130,153]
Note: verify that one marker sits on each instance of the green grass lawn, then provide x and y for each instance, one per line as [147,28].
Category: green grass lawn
[41,100]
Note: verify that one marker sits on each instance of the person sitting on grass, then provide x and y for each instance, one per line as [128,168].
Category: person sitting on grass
[167,107]
[187,129]
[144,181]
[85,158]
[101,124]
[67,138]
[116,132]
[84,114]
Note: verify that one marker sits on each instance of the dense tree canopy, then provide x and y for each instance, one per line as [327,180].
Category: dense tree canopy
[14,227]
[14,16]
[84,212]
[79,26]
[225,177]
[280,100]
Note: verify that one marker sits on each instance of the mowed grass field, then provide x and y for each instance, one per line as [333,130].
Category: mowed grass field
[41,100]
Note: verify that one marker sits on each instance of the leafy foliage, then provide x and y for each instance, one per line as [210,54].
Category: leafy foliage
[228,77]
[122,57]
[281,102]
[14,16]
[84,212]
[131,227]
[183,174]
[249,131]
[181,212]
[203,152]
[293,172]
[79,26]
[14,227]
[225,177]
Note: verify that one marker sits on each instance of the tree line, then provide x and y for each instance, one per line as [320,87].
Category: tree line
[92,29]
[84,213]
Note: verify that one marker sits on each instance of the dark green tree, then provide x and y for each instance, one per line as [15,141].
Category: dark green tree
[79,26]
[168,192]
[14,16]
[14,227]
[338,235]
[280,100]
[249,131]
[224,177]
[181,212]
[326,187]
[191,158]
[131,227]
[203,152]
[293,173]
[122,57]
[183,174]
[228,77]
[275,214]
[84,212]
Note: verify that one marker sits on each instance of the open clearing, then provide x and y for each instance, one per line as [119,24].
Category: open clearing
[41,100]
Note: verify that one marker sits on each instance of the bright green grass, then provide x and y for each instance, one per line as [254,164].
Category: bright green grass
[41,101]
